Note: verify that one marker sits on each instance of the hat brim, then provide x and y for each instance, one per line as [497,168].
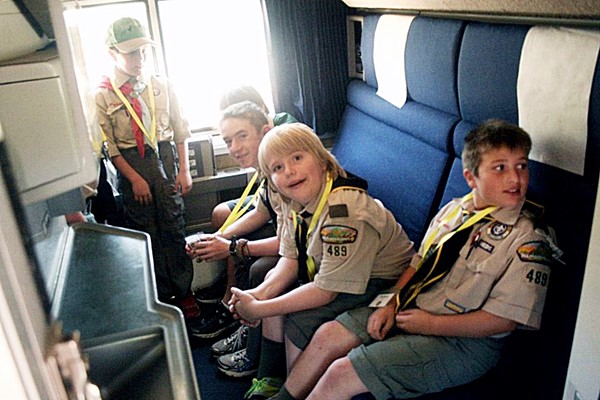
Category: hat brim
[132,45]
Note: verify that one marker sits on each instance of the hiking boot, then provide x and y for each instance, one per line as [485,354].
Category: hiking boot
[237,364]
[232,343]
[212,323]
[263,388]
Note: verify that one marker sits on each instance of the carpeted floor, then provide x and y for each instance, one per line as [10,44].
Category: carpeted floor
[213,384]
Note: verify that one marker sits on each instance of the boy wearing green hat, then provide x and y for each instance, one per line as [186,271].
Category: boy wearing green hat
[146,134]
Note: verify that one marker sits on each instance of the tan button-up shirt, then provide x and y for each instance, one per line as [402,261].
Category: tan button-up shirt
[355,239]
[115,121]
[503,269]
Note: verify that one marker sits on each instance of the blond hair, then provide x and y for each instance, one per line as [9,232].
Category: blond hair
[287,138]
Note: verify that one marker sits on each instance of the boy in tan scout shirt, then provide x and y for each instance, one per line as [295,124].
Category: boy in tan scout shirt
[446,326]
[339,247]
[141,118]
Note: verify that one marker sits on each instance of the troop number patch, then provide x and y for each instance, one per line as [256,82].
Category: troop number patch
[338,234]
[536,276]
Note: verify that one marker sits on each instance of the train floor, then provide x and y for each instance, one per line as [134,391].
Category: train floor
[213,384]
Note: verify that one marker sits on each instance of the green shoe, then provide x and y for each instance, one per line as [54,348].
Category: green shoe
[263,388]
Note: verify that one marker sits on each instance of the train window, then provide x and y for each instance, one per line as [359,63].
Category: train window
[211,45]
[207,46]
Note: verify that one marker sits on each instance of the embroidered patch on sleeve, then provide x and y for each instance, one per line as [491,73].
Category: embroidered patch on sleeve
[536,251]
[535,274]
[338,234]
[338,211]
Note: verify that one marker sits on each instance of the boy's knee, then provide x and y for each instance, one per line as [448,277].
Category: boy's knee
[330,334]
[219,215]
[339,369]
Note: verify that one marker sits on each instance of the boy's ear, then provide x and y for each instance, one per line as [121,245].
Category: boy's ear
[265,129]
[470,178]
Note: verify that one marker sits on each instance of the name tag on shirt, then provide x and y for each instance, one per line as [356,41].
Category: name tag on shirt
[382,300]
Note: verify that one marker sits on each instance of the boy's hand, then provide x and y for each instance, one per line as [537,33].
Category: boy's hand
[380,322]
[415,321]
[183,182]
[211,247]
[244,305]
[141,191]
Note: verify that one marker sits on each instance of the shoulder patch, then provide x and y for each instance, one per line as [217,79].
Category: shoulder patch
[536,251]
[498,231]
[338,234]
[338,211]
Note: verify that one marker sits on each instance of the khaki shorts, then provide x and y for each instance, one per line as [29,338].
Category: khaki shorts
[301,326]
[405,365]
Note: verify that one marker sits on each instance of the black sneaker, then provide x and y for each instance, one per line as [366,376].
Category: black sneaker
[212,323]
[212,294]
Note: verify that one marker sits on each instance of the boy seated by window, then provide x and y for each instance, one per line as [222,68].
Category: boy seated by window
[339,248]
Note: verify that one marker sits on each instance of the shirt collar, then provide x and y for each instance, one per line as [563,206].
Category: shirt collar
[505,215]
[121,77]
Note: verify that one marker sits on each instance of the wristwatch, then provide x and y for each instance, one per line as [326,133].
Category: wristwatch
[232,245]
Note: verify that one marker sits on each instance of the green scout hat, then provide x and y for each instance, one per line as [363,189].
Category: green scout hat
[127,35]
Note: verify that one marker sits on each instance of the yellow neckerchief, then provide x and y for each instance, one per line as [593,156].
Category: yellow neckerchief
[478,216]
[152,136]
[310,262]
[236,213]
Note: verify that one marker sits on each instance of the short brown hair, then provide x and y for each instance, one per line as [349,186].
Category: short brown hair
[242,93]
[248,111]
[492,134]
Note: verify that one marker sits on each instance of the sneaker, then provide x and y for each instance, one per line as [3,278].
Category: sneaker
[237,364]
[232,343]
[263,388]
[212,294]
[212,323]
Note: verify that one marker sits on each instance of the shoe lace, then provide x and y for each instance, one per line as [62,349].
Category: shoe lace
[241,333]
[240,356]
[257,385]
[235,338]
[265,384]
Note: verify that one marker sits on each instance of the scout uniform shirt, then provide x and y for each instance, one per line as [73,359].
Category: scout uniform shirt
[355,239]
[273,208]
[504,267]
[116,122]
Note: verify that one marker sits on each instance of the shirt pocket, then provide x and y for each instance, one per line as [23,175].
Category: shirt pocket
[161,105]
[469,285]
[163,119]
[120,120]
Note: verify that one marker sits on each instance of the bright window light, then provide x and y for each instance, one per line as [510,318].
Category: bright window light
[211,46]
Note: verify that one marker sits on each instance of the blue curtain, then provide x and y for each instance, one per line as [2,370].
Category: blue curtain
[309,69]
